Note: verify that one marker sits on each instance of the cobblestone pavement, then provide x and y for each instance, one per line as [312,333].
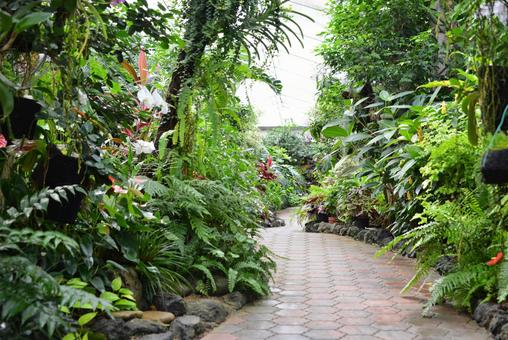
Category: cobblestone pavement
[332,287]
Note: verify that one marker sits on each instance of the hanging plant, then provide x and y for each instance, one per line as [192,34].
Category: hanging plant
[495,160]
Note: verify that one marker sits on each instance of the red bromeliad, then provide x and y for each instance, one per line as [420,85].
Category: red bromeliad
[264,170]
[495,260]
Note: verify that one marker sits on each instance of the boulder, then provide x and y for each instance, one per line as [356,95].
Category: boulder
[236,300]
[384,242]
[324,227]
[344,231]
[445,265]
[361,235]
[484,313]
[169,302]
[370,236]
[187,327]
[157,316]
[128,315]
[353,231]
[131,281]
[142,327]
[503,333]
[160,336]
[111,328]
[184,289]
[208,310]
[119,329]
[311,227]
[337,228]
[497,322]
[221,282]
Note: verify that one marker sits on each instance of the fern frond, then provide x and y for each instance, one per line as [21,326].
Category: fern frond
[203,269]
[232,277]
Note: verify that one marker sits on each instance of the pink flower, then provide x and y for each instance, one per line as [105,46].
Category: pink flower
[116,2]
[3,141]
[140,124]
[119,190]
[128,132]
[140,180]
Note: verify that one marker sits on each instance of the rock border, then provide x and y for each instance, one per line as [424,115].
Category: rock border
[181,318]
[492,316]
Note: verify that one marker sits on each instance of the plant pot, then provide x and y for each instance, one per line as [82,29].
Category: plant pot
[495,166]
[322,217]
[61,170]
[361,222]
[493,84]
[22,119]
[332,219]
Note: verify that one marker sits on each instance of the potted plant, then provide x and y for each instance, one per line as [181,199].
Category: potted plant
[58,170]
[359,206]
[495,160]
[21,122]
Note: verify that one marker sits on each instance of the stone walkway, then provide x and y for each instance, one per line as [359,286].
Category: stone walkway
[331,287]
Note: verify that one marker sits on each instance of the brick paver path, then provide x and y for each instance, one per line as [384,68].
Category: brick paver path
[331,287]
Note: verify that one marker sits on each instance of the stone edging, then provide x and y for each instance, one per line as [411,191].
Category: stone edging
[191,317]
[492,316]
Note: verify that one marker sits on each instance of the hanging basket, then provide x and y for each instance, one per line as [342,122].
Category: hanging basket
[495,166]
[62,170]
[22,119]
[495,160]
[493,84]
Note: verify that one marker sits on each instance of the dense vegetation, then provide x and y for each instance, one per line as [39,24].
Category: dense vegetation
[412,112]
[124,152]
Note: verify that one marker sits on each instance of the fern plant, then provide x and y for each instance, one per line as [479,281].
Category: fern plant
[465,230]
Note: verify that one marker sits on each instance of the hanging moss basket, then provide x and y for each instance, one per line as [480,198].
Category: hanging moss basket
[22,119]
[495,166]
[493,84]
[61,170]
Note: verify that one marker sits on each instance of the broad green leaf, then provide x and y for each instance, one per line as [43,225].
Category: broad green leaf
[5,22]
[384,95]
[109,296]
[116,284]
[69,336]
[30,20]
[123,303]
[432,84]
[356,137]
[6,99]
[86,318]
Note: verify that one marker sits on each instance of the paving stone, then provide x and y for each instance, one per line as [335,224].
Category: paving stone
[324,334]
[248,334]
[332,287]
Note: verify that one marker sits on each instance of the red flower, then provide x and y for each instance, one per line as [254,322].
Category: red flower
[3,141]
[496,260]
[269,162]
[140,124]
[112,179]
[128,132]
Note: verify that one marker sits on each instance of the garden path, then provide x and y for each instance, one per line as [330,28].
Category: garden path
[332,287]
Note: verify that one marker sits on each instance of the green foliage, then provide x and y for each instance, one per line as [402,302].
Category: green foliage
[292,141]
[372,42]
